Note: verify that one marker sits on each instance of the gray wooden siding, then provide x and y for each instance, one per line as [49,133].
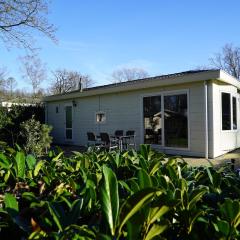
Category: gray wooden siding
[124,111]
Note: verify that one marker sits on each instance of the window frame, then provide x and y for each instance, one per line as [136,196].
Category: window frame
[162,94]
[100,112]
[65,126]
[162,119]
[232,95]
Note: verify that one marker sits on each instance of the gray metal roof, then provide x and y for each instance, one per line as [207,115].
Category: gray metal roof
[127,83]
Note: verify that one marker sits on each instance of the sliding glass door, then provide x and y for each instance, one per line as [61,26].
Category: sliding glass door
[176,121]
[166,120]
[152,120]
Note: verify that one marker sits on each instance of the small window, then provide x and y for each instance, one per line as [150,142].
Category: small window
[100,117]
[226,111]
[234,112]
[56,109]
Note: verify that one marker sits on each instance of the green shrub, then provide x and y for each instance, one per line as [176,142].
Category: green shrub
[11,119]
[101,195]
[36,136]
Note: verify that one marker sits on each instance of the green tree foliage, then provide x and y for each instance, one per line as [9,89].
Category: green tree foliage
[102,195]
[11,119]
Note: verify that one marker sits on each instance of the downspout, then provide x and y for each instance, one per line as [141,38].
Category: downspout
[206,117]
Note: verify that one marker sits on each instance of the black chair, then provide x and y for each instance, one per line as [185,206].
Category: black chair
[92,139]
[130,139]
[118,133]
[107,142]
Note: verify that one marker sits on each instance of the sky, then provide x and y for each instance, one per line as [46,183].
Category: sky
[161,36]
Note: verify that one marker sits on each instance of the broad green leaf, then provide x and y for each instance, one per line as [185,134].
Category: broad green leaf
[144,179]
[155,167]
[135,203]
[155,230]
[223,227]
[58,156]
[145,150]
[75,211]
[56,216]
[230,209]
[38,167]
[196,196]
[11,204]
[31,161]
[20,160]
[209,175]
[156,213]
[109,198]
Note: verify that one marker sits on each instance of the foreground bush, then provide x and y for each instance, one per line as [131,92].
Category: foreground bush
[11,119]
[115,196]
[37,137]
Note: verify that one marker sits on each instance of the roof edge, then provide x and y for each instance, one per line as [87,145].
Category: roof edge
[158,81]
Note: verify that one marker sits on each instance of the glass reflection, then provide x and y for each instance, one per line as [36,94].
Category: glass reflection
[176,121]
[152,120]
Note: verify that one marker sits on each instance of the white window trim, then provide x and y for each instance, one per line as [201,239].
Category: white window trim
[231,111]
[162,94]
[100,112]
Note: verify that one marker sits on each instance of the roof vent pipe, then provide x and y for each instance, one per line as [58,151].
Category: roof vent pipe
[80,85]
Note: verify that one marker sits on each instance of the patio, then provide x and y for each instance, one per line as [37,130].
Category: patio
[219,161]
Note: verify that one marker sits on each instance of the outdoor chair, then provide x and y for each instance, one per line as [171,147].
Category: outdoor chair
[130,140]
[107,142]
[92,139]
[118,133]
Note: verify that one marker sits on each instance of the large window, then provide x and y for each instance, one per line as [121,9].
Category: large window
[176,121]
[68,112]
[234,111]
[174,112]
[152,120]
[229,112]
[226,111]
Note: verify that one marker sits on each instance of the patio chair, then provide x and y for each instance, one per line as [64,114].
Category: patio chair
[92,139]
[107,142]
[130,140]
[118,133]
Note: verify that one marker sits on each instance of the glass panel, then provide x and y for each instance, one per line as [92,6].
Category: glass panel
[226,111]
[234,110]
[68,133]
[152,120]
[68,117]
[176,121]
[100,117]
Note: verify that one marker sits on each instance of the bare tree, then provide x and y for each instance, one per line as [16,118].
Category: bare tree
[18,20]
[228,60]
[3,73]
[66,81]
[128,74]
[34,71]
[11,84]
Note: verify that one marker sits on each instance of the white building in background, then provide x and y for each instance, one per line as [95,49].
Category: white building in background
[9,104]
[193,113]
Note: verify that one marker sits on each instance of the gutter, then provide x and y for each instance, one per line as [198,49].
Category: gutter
[206,117]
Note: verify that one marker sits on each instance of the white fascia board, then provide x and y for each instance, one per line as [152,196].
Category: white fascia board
[227,78]
[142,84]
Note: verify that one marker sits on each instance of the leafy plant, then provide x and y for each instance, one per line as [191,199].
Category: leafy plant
[37,136]
[102,195]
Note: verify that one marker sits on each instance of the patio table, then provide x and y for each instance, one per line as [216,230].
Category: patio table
[121,140]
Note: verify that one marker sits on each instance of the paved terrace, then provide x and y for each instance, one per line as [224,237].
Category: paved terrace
[193,161]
